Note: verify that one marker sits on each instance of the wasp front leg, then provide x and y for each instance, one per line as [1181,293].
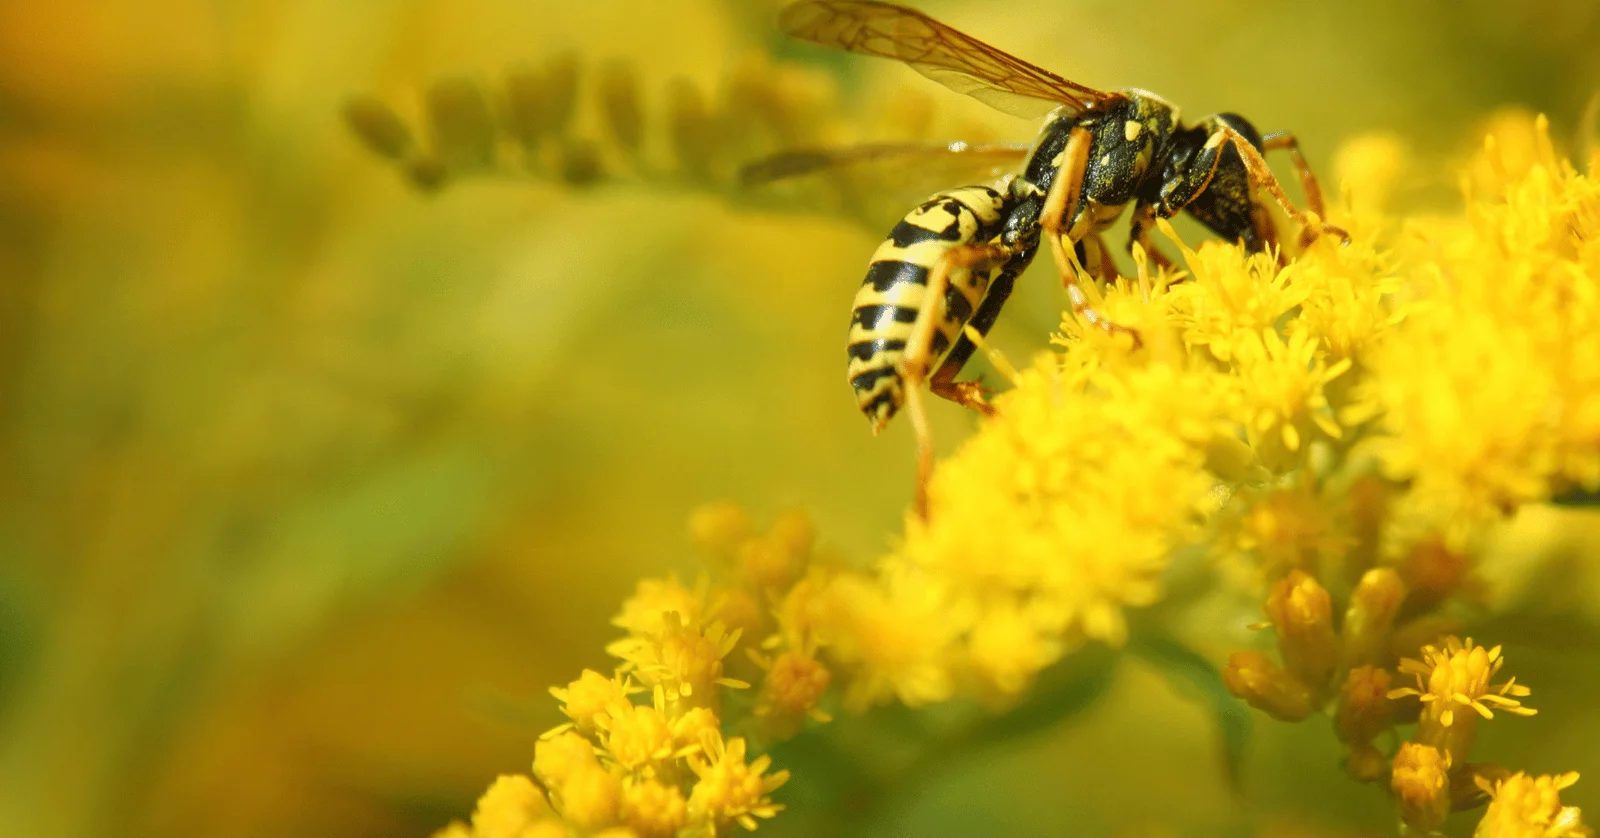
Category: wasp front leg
[1092,252]
[1261,177]
[1066,192]
[919,354]
[1144,217]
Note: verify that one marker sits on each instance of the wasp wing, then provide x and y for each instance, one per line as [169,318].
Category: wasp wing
[954,59]
[875,184]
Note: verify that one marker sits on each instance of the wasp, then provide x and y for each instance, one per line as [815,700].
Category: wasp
[952,262]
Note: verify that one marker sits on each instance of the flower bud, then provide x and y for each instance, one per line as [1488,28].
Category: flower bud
[1421,782]
[1302,615]
[1365,709]
[1250,675]
[1369,620]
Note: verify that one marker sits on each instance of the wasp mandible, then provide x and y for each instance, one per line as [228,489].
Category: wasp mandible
[953,260]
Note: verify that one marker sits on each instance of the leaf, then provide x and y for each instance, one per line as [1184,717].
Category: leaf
[1195,677]
[1062,691]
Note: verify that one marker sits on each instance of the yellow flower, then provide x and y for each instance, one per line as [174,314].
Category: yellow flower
[728,789]
[653,809]
[1290,527]
[591,797]
[682,658]
[558,757]
[689,729]
[1488,394]
[1456,676]
[897,640]
[793,686]
[635,736]
[1282,390]
[1421,781]
[1530,807]
[1233,295]
[645,613]
[1007,649]
[802,611]
[741,611]
[590,697]
[454,829]
[1068,504]
[775,560]
[510,806]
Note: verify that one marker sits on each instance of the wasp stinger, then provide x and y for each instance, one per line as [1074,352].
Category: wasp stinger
[953,260]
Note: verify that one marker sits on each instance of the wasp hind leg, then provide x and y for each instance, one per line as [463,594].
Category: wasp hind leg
[1065,193]
[1262,177]
[919,353]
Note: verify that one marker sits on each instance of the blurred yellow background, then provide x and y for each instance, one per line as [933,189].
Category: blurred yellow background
[311,484]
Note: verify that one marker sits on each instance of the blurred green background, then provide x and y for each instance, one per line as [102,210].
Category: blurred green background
[311,484]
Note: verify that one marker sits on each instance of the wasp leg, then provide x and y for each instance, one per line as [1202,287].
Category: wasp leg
[1065,193]
[1262,177]
[969,394]
[1105,268]
[919,351]
[972,394]
[1308,180]
[1144,217]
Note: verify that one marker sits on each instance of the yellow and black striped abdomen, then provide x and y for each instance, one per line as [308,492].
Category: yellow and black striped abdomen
[896,287]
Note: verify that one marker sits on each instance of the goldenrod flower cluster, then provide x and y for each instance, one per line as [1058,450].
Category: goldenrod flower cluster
[1338,430]
[644,750]
[1469,404]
